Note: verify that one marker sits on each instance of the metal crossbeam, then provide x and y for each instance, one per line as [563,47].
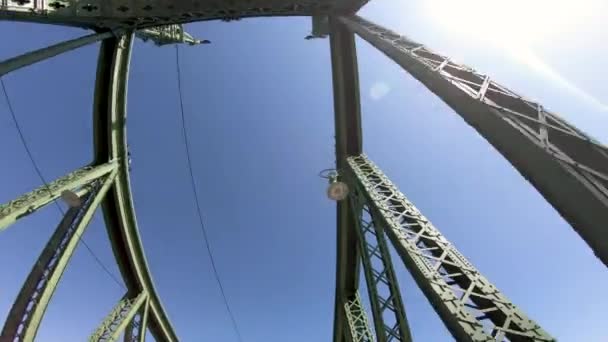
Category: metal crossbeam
[36,56]
[470,306]
[29,307]
[34,200]
[390,320]
[567,167]
[127,13]
[118,319]
[357,320]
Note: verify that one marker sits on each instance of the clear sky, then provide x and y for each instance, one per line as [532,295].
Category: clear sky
[259,110]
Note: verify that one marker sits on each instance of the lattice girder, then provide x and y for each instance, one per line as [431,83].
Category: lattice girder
[130,13]
[567,167]
[28,309]
[390,320]
[470,306]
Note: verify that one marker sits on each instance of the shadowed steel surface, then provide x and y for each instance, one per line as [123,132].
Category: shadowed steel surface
[390,321]
[124,13]
[347,118]
[567,167]
[470,306]
[110,116]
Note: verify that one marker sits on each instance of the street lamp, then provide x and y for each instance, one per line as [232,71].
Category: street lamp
[336,190]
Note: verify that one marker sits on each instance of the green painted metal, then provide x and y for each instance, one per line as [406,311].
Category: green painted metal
[347,117]
[168,34]
[390,320]
[28,203]
[29,307]
[566,166]
[126,13]
[36,56]
[136,330]
[110,141]
[470,306]
[357,320]
[118,319]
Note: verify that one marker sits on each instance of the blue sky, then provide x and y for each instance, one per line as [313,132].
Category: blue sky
[258,105]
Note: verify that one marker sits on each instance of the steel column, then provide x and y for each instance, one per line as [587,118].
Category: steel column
[29,307]
[390,320]
[118,319]
[567,167]
[470,306]
[347,118]
[36,56]
[357,320]
[28,203]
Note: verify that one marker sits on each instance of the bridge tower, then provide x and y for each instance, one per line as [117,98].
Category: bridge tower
[566,166]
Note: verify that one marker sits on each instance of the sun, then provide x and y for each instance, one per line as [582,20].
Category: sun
[512,22]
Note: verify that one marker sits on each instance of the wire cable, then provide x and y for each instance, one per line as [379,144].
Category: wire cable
[196,201]
[35,165]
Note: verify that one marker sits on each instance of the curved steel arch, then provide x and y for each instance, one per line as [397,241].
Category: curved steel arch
[463,298]
[104,182]
[110,136]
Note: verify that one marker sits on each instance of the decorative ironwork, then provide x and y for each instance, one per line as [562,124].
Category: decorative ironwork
[471,307]
[32,201]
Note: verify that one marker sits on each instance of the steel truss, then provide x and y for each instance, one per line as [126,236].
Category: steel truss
[567,167]
[469,305]
[390,321]
[104,182]
[357,320]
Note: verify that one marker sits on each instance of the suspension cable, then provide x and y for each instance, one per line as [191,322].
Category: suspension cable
[40,175]
[196,201]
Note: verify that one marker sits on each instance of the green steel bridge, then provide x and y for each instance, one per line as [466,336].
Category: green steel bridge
[566,166]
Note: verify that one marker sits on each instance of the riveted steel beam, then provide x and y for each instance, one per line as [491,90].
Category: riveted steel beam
[127,13]
[347,118]
[566,166]
[30,202]
[110,142]
[390,320]
[118,319]
[29,307]
[470,306]
[357,320]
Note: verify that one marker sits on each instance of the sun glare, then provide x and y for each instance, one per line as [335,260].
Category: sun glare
[513,22]
[516,25]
